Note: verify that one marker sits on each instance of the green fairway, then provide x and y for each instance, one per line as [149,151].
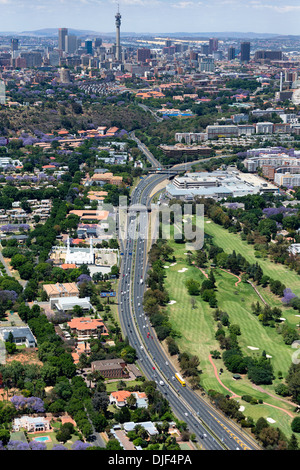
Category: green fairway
[197,329]
[231,241]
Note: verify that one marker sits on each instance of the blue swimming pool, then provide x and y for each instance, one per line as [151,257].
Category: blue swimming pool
[42,439]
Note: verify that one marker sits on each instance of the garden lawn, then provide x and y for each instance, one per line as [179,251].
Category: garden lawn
[112,386]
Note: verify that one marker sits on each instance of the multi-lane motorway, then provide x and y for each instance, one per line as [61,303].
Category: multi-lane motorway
[213,430]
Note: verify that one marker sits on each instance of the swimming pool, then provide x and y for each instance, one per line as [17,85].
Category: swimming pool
[42,439]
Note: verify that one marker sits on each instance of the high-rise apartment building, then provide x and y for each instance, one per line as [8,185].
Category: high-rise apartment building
[64,76]
[245,51]
[62,34]
[207,64]
[269,55]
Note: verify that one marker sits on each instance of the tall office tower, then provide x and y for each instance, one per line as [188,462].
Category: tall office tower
[71,43]
[168,43]
[213,45]
[14,44]
[97,42]
[205,49]
[143,54]
[245,51]
[62,34]
[231,53]
[89,46]
[118,45]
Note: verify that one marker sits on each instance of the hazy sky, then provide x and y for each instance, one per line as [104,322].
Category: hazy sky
[260,16]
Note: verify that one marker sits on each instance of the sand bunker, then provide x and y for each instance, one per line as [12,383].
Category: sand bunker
[172,302]
[271,420]
[182,270]
[252,348]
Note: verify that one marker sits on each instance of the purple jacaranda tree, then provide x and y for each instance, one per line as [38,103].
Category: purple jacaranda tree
[35,445]
[6,295]
[83,278]
[17,445]
[59,447]
[288,295]
[32,404]
[79,445]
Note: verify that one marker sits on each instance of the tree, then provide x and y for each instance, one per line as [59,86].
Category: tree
[113,444]
[4,436]
[10,347]
[131,401]
[296,424]
[100,401]
[193,286]
[293,443]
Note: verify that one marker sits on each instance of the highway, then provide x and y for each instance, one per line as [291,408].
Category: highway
[213,430]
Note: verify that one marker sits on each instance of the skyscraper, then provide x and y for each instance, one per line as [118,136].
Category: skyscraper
[245,51]
[143,54]
[89,46]
[213,45]
[71,43]
[14,44]
[231,53]
[62,33]
[118,45]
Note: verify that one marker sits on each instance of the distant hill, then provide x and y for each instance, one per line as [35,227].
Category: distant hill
[53,32]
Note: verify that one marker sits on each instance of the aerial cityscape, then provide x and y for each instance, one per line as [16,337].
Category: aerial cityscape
[149,231]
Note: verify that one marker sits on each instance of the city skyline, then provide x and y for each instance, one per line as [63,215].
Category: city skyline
[155,16]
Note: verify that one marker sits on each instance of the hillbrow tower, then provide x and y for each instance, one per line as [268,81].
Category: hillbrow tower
[118,45]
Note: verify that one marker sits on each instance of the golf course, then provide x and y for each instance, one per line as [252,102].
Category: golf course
[192,319]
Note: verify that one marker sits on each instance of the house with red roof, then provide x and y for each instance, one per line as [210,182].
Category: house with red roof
[120,397]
